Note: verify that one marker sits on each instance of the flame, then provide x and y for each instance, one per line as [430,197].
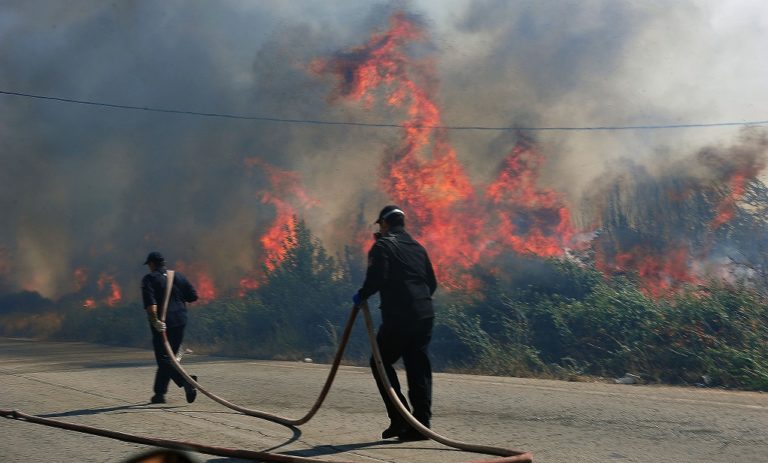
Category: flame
[285,191]
[205,288]
[661,271]
[200,279]
[726,209]
[108,283]
[424,176]
[736,169]
[669,239]
[248,284]
[379,62]
[463,224]
[281,234]
[531,220]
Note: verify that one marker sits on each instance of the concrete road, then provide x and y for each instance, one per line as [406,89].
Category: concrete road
[558,421]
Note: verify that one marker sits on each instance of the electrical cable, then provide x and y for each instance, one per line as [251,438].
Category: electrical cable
[388,125]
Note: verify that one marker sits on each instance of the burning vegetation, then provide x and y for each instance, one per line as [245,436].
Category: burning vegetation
[463,225]
[671,226]
[663,229]
[649,256]
[684,226]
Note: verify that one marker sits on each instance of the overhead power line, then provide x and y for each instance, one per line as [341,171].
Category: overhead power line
[382,125]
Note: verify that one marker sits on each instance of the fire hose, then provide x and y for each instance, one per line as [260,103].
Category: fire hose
[506,455]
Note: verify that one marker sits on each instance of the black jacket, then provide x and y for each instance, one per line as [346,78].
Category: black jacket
[153,291]
[399,268]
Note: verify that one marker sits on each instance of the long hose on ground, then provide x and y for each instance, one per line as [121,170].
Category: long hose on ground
[249,411]
[507,455]
[167,443]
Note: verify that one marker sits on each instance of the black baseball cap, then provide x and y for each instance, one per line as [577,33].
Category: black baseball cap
[155,257]
[388,211]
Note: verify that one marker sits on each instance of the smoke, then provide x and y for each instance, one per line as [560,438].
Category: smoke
[682,221]
[96,188]
[598,63]
[84,187]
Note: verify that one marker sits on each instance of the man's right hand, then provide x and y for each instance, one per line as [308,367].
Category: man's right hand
[158,325]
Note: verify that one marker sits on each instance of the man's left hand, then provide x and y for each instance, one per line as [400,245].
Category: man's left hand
[159,325]
[357,299]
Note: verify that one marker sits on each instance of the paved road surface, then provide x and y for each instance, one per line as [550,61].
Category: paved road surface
[558,421]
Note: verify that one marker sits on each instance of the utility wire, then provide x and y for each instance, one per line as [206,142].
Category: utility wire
[383,125]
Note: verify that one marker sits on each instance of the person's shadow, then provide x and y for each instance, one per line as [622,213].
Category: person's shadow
[164,455]
[316,451]
[328,449]
[96,411]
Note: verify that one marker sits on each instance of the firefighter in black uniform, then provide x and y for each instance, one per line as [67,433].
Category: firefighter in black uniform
[153,287]
[400,270]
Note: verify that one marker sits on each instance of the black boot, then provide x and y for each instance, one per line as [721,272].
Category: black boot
[191,391]
[410,435]
[395,429]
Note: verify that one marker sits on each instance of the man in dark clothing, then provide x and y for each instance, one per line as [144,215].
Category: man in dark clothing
[400,270]
[153,288]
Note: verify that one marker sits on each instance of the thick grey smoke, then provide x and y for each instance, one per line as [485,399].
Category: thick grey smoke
[96,188]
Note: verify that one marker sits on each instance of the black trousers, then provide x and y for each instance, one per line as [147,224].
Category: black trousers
[165,371]
[409,341]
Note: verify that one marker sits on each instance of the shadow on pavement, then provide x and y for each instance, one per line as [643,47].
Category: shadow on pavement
[96,411]
[329,449]
[294,438]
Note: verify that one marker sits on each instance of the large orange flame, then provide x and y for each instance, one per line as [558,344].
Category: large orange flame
[531,220]
[424,176]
